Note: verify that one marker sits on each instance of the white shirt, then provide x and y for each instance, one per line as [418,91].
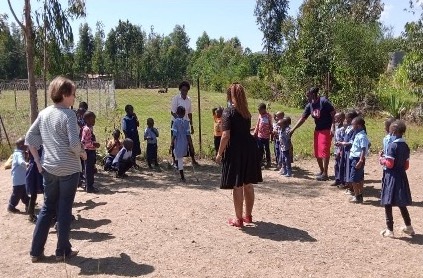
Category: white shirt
[179,101]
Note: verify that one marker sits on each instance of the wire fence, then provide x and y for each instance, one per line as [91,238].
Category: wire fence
[108,105]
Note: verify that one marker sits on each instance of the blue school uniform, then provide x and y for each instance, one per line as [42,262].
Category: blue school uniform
[345,158]
[338,152]
[388,139]
[396,189]
[360,142]
[181,129]
[130,129]
[151,134]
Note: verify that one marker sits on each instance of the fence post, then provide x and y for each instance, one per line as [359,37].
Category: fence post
[14,91]
[199,116]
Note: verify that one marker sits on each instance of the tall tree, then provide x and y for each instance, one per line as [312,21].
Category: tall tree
[84,50]
[98,63]
[59,27]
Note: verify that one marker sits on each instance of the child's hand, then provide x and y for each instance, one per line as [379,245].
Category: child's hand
[83,155]
[381,153]
[359,164]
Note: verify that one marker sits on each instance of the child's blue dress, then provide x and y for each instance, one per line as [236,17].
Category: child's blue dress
[181,129]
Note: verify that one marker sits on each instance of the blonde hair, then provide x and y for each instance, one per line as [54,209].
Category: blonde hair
[60,87]
[237,92]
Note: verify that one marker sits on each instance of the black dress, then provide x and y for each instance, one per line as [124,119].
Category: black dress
[240,162]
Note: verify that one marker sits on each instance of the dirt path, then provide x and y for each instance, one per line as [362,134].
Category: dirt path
[151,225]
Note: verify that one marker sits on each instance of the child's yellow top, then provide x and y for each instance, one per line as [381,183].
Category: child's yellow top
[217,127]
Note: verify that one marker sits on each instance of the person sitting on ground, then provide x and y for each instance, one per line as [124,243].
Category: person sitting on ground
[124,160]
[113,147]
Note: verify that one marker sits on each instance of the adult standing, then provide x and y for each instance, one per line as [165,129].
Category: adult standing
[182,99]
[239,154]
[56,129]
[323,112]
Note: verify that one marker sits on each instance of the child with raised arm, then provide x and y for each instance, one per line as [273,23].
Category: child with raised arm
[396,189]
[113,147]
[181,139]
[217,127]
[124,160]
[130,126]
[263,132]
[150,134]
[18,173]
[90,145]
[339,137]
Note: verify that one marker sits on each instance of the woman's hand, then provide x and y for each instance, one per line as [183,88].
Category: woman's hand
[218,158]
[39,167]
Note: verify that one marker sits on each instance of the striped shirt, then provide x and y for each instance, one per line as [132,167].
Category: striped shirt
[57,130]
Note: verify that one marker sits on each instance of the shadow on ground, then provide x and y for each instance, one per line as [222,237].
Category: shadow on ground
[277,232]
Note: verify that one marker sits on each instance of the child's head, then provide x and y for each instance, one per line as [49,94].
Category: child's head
[129,109]
[388,123]
[180,111]
[398,128]
[219,111]
[150,122]
[80,112]
[358,123]
[340,117]
[288,120]
[262,108]
[20,144]
[116,134]
[89,118]
[350,116]
[279,115]
[83,105]
[128,144]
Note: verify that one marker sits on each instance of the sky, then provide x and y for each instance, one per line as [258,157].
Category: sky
[219,18]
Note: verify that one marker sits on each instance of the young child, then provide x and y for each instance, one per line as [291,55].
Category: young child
[181,139]
[358,152]
[275,134]
[288,130]
[388,139]
[130,126]
[90,145]
[34,184]
[217,127]
[285,147]
[124,159]
[263,131]
[345,145]
[339,137]
[18,172]
[150,134]
[396,189]
[113,147]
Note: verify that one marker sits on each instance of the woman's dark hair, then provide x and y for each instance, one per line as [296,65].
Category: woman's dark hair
[314,90]
[398,127]
[180,111]
[262,106]
[184,84]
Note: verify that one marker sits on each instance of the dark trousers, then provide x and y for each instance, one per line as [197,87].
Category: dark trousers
[390,218]
[264,147]
[151,153]
[285,160]
[59,194]
[108,161]
[89,169]
[18,194]
[31,205]
[124,166]
[217,140]
[277,149]
[339,169]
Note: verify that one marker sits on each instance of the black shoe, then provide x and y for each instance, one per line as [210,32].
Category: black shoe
[183,180]
[13,210]
[32,218]
[92,190]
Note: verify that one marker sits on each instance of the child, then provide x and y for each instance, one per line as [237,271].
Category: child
[130,126]
[339,137]
[263,131]
[113,147]
[150,134]
[275,134]
[90,145]
[18,177]
[181,140]
[124,159]
[358,151]
[396,190]
[217,127]
[388,139]
[34,184]
[288,130]
[345,145]
[285,147]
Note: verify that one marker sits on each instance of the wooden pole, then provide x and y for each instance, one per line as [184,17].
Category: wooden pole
[5,133]
[199,115]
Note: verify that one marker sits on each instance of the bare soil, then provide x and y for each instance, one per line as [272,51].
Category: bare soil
[151,225]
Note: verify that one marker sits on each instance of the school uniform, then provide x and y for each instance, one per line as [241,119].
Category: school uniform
[338,152]
[130,129]
[388,139]
[108,160]
[180,130]
[18,180]
[285,151]
[345,158]
[123,161]
[360,142]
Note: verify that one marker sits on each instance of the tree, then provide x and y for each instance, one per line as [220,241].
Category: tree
[98,63]
[59,28]
[84,50]
[270,15]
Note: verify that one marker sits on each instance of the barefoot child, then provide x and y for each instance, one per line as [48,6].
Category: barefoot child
[150,134]
[90,145]
[396,189]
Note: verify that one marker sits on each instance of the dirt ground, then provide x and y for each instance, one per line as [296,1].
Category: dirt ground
[151,225]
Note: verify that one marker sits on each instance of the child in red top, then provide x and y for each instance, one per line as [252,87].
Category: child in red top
[263,132]
[217,126]
[90,145]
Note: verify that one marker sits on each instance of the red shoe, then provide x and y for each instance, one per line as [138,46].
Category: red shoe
[248,219]
[236,222]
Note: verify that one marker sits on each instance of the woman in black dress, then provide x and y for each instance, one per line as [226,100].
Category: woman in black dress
[239,154]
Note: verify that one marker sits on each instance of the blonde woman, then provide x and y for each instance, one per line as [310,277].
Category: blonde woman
[239,154]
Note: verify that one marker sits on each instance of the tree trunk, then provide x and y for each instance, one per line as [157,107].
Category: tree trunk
[30,61]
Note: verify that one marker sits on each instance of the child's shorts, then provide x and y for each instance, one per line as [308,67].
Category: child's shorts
[356,175]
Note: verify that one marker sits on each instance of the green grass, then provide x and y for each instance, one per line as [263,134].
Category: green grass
[148,103]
